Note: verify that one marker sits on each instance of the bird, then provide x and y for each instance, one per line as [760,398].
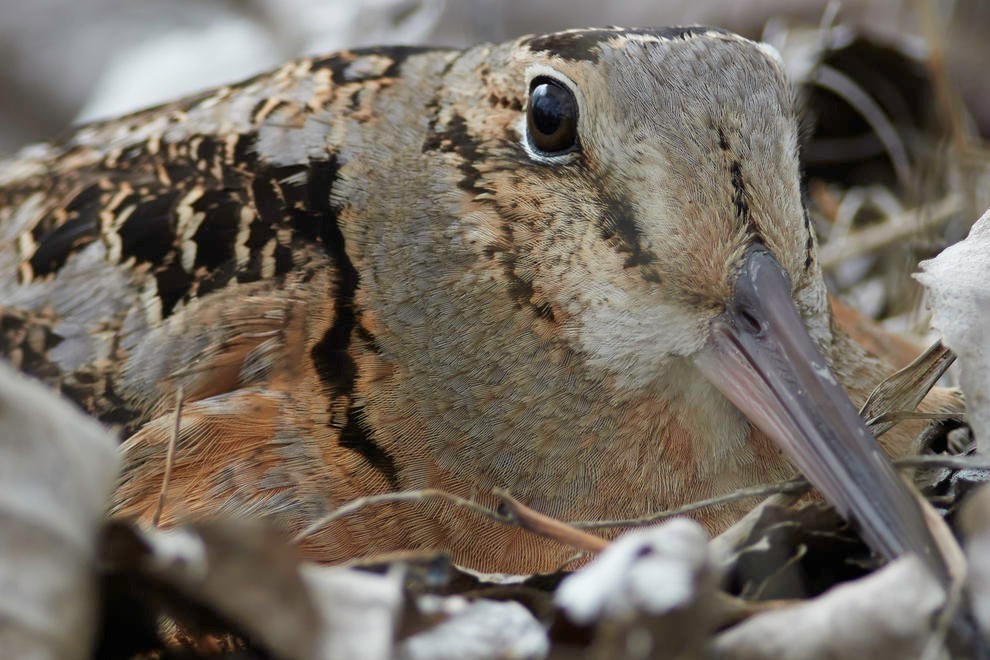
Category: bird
[576,266]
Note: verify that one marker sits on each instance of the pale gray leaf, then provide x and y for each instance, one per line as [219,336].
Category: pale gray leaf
[56,471]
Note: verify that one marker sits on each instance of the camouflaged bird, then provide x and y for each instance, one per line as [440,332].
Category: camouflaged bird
[575,266]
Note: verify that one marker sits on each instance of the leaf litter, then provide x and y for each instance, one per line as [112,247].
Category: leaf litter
[896,172]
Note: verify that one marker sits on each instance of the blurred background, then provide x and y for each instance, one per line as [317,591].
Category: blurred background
[895,94]
[66,60]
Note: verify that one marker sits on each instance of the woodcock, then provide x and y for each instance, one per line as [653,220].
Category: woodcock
[575,266]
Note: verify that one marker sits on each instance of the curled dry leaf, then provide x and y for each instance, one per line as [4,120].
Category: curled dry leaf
[476,631]
[960,302]
[796,553]
[56,471]
[232,584]
[370,616]
[887,614]
[905,389]
[650,592]
[219,577]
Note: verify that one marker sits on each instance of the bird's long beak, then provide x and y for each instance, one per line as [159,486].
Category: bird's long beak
[762,359]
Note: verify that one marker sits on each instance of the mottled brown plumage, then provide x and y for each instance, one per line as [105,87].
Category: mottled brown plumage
[366,279]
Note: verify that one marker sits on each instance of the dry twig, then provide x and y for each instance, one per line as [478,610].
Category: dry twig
[522,516]
[896,416]
[763,490]
[403,496]
[169,455]
[548,527]
[893,230]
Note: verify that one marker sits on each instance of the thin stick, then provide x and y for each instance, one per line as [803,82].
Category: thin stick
[169,455]
[764,490]
[548,527]
[896,416]
[403,496]
[942,461]
[576,557]
[793,486]
[894,230]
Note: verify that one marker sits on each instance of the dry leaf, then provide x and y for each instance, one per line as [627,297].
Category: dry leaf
[237,581]
[56,471]
[475,631]
[797,553]
[974,521]
[220,577]
[359,611]
[904,389]
[887,614]
[960,301]
[652,589]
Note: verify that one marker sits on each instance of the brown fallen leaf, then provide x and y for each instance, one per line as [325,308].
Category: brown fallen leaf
[218,578]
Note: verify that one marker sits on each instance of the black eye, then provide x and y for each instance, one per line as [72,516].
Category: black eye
[552,116]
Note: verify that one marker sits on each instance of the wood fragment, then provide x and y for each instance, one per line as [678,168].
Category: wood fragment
[904,389]
[548,527]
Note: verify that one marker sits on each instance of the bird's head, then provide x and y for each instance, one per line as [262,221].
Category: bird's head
[687,143]
[649,182]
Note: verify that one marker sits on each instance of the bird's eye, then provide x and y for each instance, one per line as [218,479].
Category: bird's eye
[552,116]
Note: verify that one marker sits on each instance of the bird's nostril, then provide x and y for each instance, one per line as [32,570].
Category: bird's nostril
[749,323]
